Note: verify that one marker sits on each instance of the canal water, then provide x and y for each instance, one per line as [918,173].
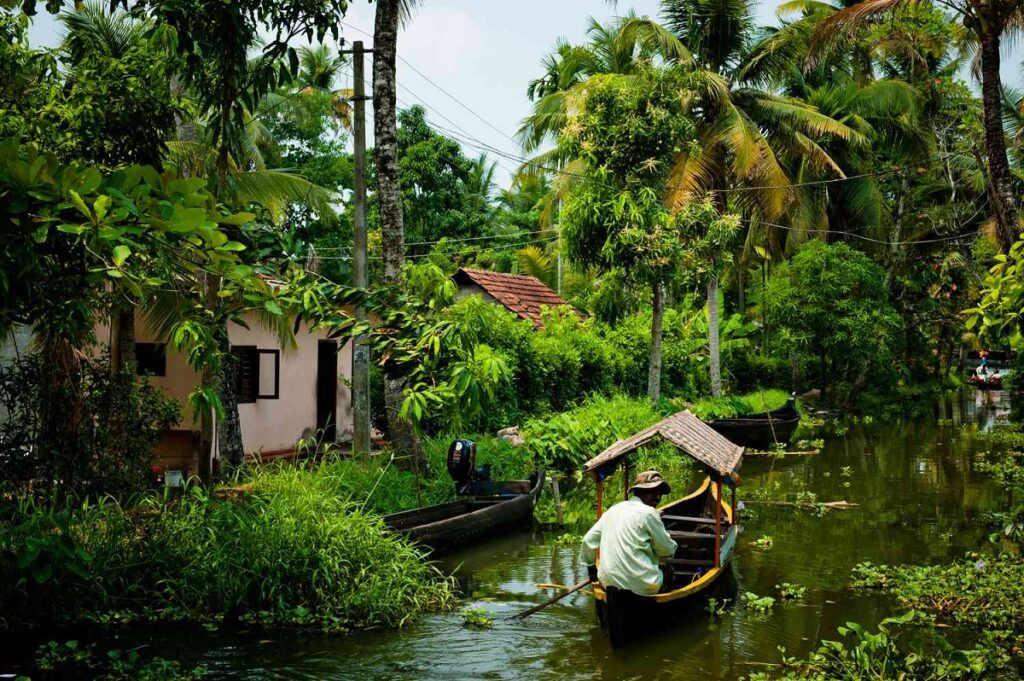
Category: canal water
[919,501]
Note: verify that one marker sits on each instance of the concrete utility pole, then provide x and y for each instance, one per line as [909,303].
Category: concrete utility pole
[360,278]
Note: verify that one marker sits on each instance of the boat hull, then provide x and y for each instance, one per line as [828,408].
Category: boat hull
[444,526]
[760,432]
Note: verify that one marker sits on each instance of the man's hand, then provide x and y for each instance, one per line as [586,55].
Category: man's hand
[592,572]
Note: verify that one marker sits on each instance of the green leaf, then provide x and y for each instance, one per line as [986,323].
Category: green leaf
[272,307]
[121,253]
[100,206]
[231,246]
[72,229]
[80,204]
[186,220]
[236,219]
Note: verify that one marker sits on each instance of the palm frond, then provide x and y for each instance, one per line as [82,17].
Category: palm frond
[535,263]
[275,190]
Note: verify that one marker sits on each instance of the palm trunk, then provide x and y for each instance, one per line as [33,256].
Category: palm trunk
[390,202]
[713,349]
[1001,182]
[657,331]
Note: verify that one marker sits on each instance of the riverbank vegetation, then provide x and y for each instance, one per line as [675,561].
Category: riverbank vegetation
[290,547]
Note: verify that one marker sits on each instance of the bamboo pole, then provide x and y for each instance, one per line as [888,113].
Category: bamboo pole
[558,501]
[718,522]
[600,498]
[735,511]
[625,480]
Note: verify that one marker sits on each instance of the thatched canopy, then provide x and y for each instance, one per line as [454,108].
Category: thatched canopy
[689,434]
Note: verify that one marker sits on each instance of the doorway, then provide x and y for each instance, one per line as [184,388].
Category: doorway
[327,390]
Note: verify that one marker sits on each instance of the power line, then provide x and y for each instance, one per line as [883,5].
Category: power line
[443,91]
[450,240]
[503,247]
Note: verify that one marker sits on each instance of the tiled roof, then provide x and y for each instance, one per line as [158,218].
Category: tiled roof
[689,434]
[519,294]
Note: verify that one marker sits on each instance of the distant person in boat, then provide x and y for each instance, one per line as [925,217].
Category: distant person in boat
[633,540]
[983,366]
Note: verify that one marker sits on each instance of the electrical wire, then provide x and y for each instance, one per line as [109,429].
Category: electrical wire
[503,247]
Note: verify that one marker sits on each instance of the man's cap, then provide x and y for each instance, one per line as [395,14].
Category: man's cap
[650,480]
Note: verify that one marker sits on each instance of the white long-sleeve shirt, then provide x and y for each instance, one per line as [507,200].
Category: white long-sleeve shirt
[633,540]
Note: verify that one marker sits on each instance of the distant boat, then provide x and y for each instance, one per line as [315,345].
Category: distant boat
[986,381]
[702,524]
[760,431]
[484,509]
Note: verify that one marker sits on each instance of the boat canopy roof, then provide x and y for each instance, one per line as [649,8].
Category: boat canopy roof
[688,433]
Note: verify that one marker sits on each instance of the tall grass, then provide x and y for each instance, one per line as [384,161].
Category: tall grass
[292,548]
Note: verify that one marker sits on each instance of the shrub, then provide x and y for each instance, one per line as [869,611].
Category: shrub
[289,547]
[751,370]
[567,440]
[108,426]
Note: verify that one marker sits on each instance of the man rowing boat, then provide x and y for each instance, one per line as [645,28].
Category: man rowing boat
[633,540]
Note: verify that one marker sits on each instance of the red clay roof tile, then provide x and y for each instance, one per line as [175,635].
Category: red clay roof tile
[520,294]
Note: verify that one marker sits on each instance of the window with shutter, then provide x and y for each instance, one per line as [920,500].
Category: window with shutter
[150,359]
[247,372]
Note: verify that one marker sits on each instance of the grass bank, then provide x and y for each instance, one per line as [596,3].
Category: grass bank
[292,548]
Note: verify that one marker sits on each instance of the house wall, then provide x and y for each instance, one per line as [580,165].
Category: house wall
[268,425]
[475,290]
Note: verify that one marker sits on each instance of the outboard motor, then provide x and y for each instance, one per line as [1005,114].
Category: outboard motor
[462,466]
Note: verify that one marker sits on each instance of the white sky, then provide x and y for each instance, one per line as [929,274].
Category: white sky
[484,52]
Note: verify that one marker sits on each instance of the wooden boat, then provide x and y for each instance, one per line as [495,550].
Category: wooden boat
[991,381]
[760,431]
[703,525]
[485,508]
[446,525]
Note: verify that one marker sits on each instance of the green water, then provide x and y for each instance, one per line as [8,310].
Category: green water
[918,501]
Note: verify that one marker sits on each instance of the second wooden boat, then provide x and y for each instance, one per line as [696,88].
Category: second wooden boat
[702,524]
[760,431]
[484,509]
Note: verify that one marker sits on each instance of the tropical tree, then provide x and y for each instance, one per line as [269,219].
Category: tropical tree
[987,22]
[624,132]
[116,108]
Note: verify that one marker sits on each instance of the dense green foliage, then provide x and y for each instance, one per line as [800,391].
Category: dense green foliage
[112,435]
[882,655]
[830,301]
[549,369]
[306,548]
[982,591]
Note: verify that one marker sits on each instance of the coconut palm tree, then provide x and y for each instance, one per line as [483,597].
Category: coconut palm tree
[389,15]
[987,22]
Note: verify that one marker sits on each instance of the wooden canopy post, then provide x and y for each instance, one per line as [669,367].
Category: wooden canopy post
[600,498]
[625,479]
[718,522]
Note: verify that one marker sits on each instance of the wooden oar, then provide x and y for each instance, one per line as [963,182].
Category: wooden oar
[538,608]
